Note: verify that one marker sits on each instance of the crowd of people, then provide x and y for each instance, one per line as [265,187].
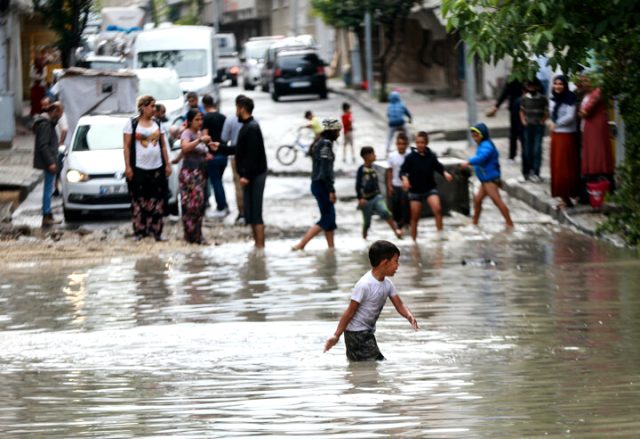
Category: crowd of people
[581,150]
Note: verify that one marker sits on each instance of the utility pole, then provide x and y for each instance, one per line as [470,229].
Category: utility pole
[369,54]
[294,17]
[470,90]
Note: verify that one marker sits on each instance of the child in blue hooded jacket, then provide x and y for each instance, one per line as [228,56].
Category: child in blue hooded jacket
[396,112]
[486,165]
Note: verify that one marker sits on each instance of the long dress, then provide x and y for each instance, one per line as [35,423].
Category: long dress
[597,151]
[565,154]
[193,180]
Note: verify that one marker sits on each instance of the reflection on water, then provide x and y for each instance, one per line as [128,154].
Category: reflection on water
[228,342]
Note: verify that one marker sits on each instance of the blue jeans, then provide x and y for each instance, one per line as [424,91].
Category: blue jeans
[216,168]
[47,192]
[532,149]
[327,220]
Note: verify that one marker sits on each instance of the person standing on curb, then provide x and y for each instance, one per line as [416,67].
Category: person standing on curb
[251,160]
[534,110]
[511,92]
[46,156]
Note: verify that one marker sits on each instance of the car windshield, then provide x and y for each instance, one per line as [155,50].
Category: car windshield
[99,137]
[257,50]
[162,89]
[102,65]
[225,47]
[309,60]
[187,63]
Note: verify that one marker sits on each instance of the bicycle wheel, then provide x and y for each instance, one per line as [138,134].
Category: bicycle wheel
[286,154]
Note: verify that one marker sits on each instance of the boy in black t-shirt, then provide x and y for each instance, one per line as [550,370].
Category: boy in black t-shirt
[370,200]
[418,178]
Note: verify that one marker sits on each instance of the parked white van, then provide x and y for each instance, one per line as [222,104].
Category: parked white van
[190,50]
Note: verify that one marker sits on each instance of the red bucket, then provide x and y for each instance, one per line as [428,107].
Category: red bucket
[597,191]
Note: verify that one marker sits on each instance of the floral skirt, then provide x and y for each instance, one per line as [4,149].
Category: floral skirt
[193,194]
[148,189]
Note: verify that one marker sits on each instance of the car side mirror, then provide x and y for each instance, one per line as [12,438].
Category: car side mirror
[243,59]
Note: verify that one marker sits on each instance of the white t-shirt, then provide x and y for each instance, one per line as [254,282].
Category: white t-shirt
[395,162]
[148,152]
[371,294]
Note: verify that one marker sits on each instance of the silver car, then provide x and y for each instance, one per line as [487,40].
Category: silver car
[93,171]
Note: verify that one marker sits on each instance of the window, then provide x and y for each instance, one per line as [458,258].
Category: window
[161,89]
[187,63]
[99,137]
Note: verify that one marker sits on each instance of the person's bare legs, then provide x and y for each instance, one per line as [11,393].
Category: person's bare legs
[328,234]
[258,235]
[477,204]
[434,203]
[494,193]
[394,226]
[416,210]
[311,233]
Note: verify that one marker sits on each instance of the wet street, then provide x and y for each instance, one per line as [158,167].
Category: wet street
[528,333]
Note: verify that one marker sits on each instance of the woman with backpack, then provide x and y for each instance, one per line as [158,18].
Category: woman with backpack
[486,165]
[147,167]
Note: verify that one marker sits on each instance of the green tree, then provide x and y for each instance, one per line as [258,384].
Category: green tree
[390,14]
[67,18]
[572,33]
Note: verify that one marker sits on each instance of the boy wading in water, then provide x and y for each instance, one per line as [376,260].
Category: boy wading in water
[367,300]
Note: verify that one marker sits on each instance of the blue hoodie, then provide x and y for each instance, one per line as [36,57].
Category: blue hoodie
[396,110]
[486,162]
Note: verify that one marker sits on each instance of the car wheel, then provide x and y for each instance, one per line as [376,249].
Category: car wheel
[275,96]
[265,87]
[248,86]
[324,94]
[71,215]
[234,82]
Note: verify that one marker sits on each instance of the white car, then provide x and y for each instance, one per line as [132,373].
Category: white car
[164,85]
[93,171]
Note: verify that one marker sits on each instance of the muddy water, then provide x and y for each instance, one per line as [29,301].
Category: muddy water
[536,335]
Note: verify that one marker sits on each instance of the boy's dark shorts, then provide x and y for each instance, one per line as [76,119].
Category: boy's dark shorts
[422,197]
[362,346]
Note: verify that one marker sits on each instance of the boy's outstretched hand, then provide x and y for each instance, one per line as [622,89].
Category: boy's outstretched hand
[331,342]
[413,322]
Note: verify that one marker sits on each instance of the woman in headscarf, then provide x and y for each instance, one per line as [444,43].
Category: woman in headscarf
[486,164]
[565,154]
[193,176]
[597,151]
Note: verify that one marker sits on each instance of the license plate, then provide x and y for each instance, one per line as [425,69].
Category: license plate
[112,189]
[300,84]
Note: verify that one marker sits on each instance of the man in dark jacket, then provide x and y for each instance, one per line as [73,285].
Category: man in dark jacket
[251,160]
[46,156]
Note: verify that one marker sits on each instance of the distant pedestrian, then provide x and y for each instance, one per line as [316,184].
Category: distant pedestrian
[193,177]
[358,322]
[370,199]
[251,159]
[347,126]
[597,151]
[512,92]
[486,164]
[418,178]
[534,110]
[38,75]
[212,124]
[46,156]
[565,152]
[146,168]
[396,113]
[229,137]
[399,197]
[322,188]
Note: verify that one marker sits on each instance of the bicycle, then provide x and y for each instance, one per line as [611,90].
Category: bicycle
[287,154]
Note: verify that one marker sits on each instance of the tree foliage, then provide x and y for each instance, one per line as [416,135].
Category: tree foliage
[67,18]
[573,33]
[390,14]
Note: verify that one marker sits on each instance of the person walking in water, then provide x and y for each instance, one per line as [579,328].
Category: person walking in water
[396,113]
[322,178]
[486,164]
[358,322]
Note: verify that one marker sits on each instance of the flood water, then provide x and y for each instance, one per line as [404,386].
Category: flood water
[536,335]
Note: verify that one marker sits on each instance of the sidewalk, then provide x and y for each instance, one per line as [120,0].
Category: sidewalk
[446,119]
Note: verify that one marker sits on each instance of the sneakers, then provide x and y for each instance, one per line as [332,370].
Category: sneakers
[220,213]
[48,220]
[536,179]
[240,220]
